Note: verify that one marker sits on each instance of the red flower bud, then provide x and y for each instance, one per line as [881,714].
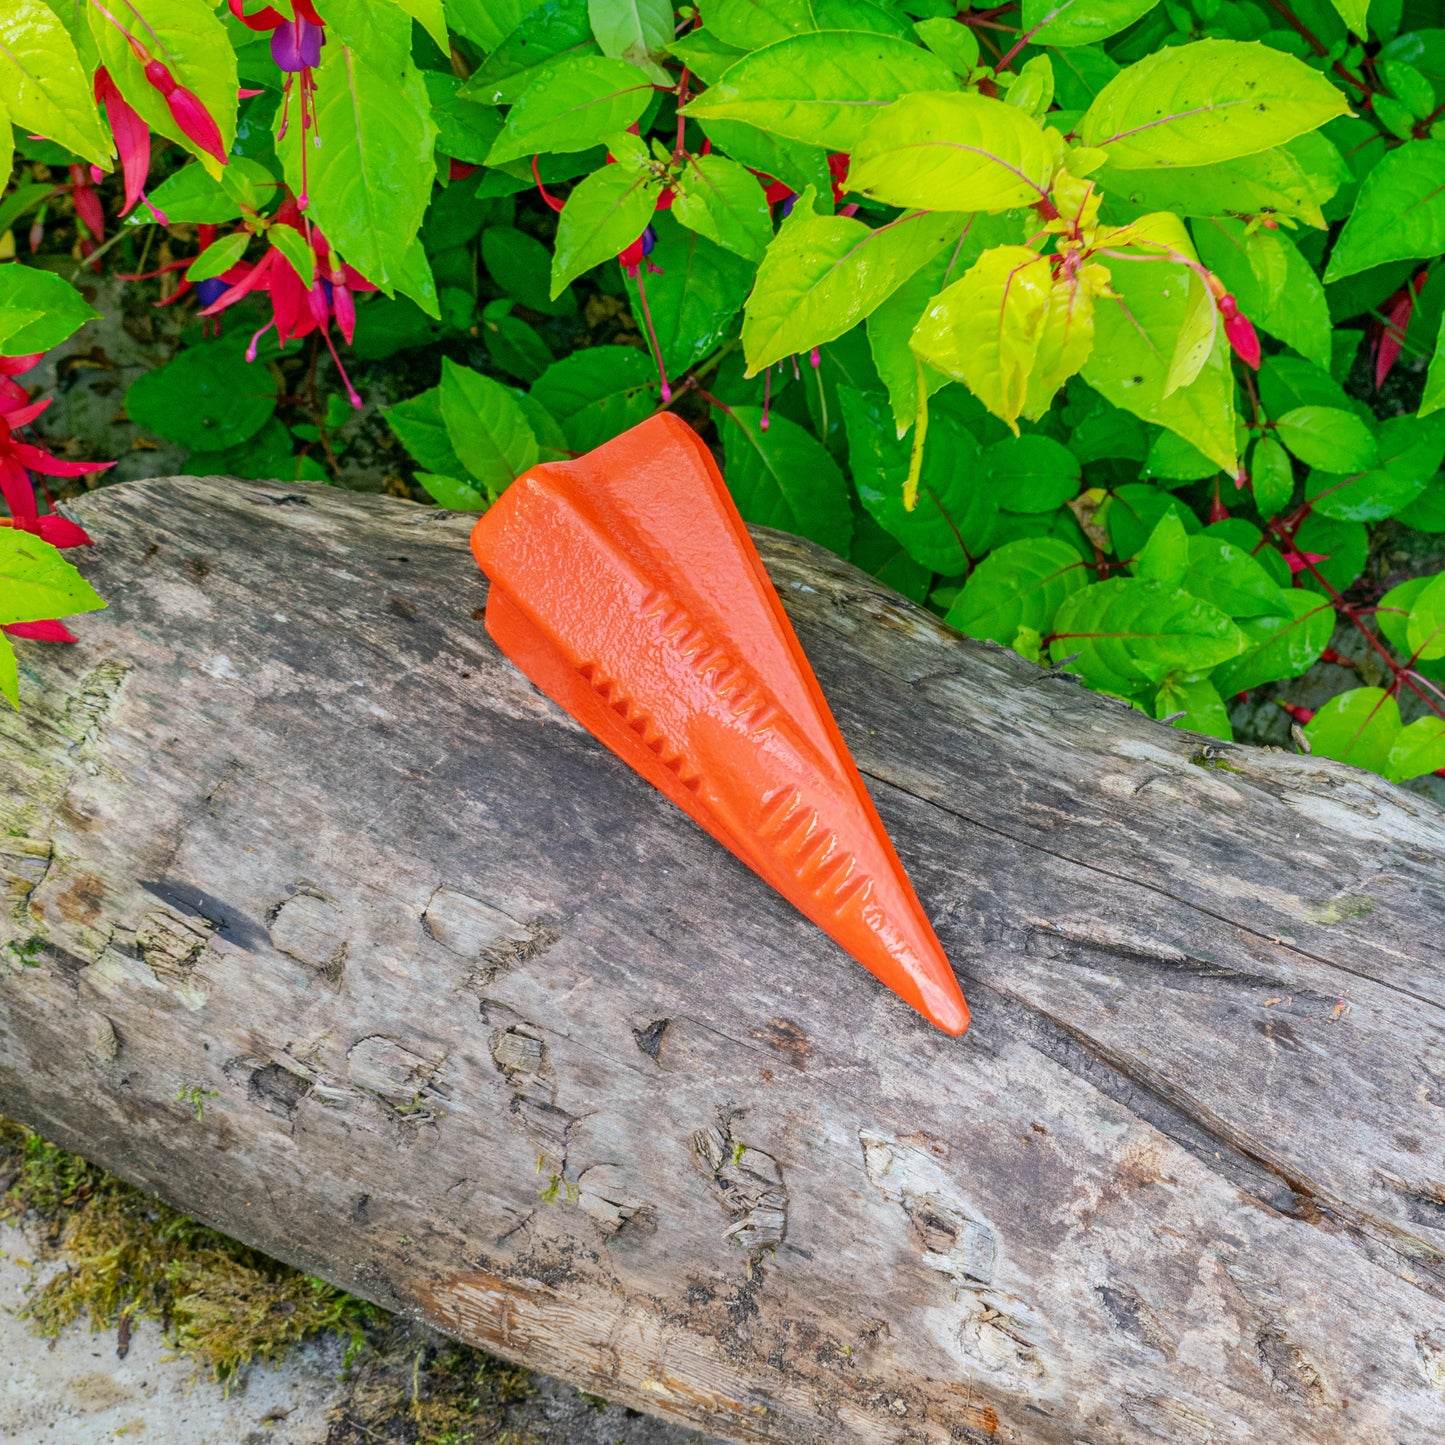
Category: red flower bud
[160,77]
[343,307]
[1240,331]
[194,120]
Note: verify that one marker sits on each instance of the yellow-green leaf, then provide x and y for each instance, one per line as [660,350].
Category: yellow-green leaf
[824,274]
[962,152]
[985,329]
[1201,104]
[43,85]
[822,88]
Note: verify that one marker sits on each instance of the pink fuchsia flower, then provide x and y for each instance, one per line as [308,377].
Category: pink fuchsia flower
[17,460]
[1388,338]
[296,45]
[132,140]
[296,49]
[187,110]
[296,309]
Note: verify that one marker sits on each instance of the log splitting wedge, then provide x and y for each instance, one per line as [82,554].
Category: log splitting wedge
[625,585]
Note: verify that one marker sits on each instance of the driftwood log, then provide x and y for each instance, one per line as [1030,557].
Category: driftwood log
[325,926]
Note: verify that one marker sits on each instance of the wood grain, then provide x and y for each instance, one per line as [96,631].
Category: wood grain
[487,1031]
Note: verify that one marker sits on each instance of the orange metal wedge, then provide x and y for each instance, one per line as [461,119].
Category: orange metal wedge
[625,585]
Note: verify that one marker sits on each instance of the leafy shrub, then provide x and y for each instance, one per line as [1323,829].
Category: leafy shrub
[1110,329]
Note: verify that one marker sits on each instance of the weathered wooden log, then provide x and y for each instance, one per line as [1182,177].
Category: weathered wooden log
[325,926]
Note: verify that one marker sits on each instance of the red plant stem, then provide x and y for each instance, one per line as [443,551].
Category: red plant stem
[1315,43]
[1017,46]
[678,151]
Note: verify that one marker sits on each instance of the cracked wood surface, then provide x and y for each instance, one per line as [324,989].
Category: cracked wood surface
[487,1031]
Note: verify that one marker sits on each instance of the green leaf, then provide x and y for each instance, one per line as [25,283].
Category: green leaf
[954,518]
[822,88]
[488,22]
[1174,459]
[521,265]
[705,55]
[415,280]
[1200,703]
[1320,436]
[1274,285]
[1200,104]
[1409,455]
[190,38]
[515,347]
[1425,631]
[1080,22]
[1353,13]
[882,557]
[1400,213]
[1134,510]
[571,106]
[696,297]
[1128,632]
[466,129]
[797,165]
[1272,477]
[1021,584]
[540,40]
[1293,180]
[1164,558]
[984,329]
[1419,749]
[453,493]
[418,425]
[1282,644]
[191,194]
[784,477]
[380,33]
[1345,547]
[638,31]
[753,23]
[953,43]
[14,320]
[1145,338]
[9,671]
[953,153]
[724,202]
[430,15]
[1228,577]
[598,393]
[37,583]
[207,397]
[486,427]
[43,85]
[1434,397]
[1290,381]
[604,214]
[1031,473]
[292,245]
[370,180]
[222,255]
[1427,512]
[63,309]
[1359,727]
[824,274]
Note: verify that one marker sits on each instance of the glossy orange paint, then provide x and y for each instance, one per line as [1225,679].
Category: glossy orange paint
[625,585]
